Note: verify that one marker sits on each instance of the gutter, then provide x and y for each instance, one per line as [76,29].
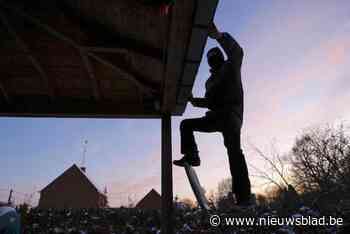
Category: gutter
[204,14]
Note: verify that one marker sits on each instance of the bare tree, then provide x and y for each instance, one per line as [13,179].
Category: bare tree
[281,193]
[224,187]
[188,202]
[320,159]
[275,171]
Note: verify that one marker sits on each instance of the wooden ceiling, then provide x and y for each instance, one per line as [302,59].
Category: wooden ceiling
[99,58]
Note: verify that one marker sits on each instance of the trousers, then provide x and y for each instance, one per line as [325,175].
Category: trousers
[229,124]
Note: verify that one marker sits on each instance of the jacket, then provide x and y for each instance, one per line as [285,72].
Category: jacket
[224,90]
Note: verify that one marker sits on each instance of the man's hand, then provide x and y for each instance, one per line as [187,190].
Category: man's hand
[198,102]
[213,31]
[192,100]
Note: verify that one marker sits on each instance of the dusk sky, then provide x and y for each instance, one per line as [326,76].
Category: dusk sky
[295,73]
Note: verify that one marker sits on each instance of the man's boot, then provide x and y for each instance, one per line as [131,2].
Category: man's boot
[192,159]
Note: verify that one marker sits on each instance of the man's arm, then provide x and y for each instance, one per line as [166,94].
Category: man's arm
[199,102]
[231,47]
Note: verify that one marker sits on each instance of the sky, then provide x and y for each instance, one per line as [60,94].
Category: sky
[294,73]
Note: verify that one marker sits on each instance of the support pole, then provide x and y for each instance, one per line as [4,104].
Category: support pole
[167,176]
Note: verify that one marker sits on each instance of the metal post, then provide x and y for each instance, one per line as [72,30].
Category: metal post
[167,176]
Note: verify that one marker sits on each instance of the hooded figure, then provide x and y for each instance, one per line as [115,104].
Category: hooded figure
[224,99]
[215,58]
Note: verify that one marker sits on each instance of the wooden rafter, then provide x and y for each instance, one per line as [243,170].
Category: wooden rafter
[4,93]
[22,45]
[32,107]
[91,74]
[138,83]
[145,88]
[139,95]
[105,49]
[115,41]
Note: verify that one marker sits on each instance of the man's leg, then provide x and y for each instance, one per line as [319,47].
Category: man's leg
[238,166]
[188,143]
[187,129]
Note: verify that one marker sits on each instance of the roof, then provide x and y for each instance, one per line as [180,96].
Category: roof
[152,200]
[99,58]
[74,167]
[90,180]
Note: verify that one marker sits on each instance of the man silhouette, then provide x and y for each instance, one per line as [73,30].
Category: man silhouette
[224,99]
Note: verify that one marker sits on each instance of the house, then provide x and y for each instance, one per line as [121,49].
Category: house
[72,189]
[152,201]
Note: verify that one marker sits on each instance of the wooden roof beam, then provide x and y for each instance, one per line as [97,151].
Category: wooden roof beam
[108,50]
[4,93]
[91,74]
[112,40]
[22,45]
[28,106]
[137,82]
[60,36]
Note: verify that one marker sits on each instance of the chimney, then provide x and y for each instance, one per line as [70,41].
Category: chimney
[83,169]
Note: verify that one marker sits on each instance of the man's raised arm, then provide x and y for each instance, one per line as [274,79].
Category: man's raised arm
[231,47]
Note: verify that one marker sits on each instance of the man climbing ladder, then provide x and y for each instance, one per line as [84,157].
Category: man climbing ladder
[224,99]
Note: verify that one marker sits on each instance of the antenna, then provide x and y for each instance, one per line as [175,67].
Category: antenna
[83,168]
[10,197]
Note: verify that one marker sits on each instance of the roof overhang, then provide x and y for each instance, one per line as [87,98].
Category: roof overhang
[99,59]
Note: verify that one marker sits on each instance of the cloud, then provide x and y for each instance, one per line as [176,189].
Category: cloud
[295,74]
[294,67]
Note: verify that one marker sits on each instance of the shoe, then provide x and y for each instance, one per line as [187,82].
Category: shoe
[193,161]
